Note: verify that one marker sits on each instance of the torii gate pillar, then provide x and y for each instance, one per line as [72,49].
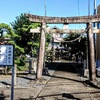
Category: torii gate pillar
[41,52]
[91,54]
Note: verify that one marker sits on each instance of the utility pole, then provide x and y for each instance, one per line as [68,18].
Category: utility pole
[94,13]
[88,7]
[45,8]
[94,7]
[94,34]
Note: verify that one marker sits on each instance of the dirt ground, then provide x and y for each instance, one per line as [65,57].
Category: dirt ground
[62,83]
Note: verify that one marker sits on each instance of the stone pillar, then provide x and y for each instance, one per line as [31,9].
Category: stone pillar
[30,65]
[41,52]
[91,54]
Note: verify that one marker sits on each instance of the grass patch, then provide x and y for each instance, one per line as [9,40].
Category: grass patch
[22,68]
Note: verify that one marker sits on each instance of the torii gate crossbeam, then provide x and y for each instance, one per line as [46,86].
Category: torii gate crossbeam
[62,20]
[65,31]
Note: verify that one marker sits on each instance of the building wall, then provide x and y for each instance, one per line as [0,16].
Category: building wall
[98,42]
[98,50]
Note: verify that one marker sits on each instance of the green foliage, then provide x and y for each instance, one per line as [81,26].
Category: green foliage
[26,42]
[6,28]
[22,27]
[48,39]
[78,45]
[20,36]
[9,33]
[22,68]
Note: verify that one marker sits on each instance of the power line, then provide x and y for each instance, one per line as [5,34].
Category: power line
[88,7]
[45,8]
[78,7]
[78,2]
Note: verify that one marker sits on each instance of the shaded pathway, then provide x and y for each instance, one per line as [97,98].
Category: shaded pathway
[66,84]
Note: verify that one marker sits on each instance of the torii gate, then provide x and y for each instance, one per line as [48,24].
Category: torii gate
[88,20]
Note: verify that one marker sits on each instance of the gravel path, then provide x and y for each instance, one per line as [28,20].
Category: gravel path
[22,81]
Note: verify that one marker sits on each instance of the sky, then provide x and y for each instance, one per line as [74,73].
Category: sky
[10,9]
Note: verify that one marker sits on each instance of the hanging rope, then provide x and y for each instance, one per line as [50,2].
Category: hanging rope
[69,40]
[65,41]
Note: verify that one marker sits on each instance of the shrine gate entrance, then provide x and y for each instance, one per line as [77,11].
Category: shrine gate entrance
[88,20]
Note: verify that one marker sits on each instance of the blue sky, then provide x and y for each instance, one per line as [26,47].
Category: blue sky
[9,9]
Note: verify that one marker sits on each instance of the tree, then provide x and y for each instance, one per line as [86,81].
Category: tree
[22,27]
[79,45]
[6,29]
[25,40]
[20,36]
[7,32]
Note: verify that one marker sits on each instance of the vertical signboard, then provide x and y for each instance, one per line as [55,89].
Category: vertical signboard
[6,55]
[7,59]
